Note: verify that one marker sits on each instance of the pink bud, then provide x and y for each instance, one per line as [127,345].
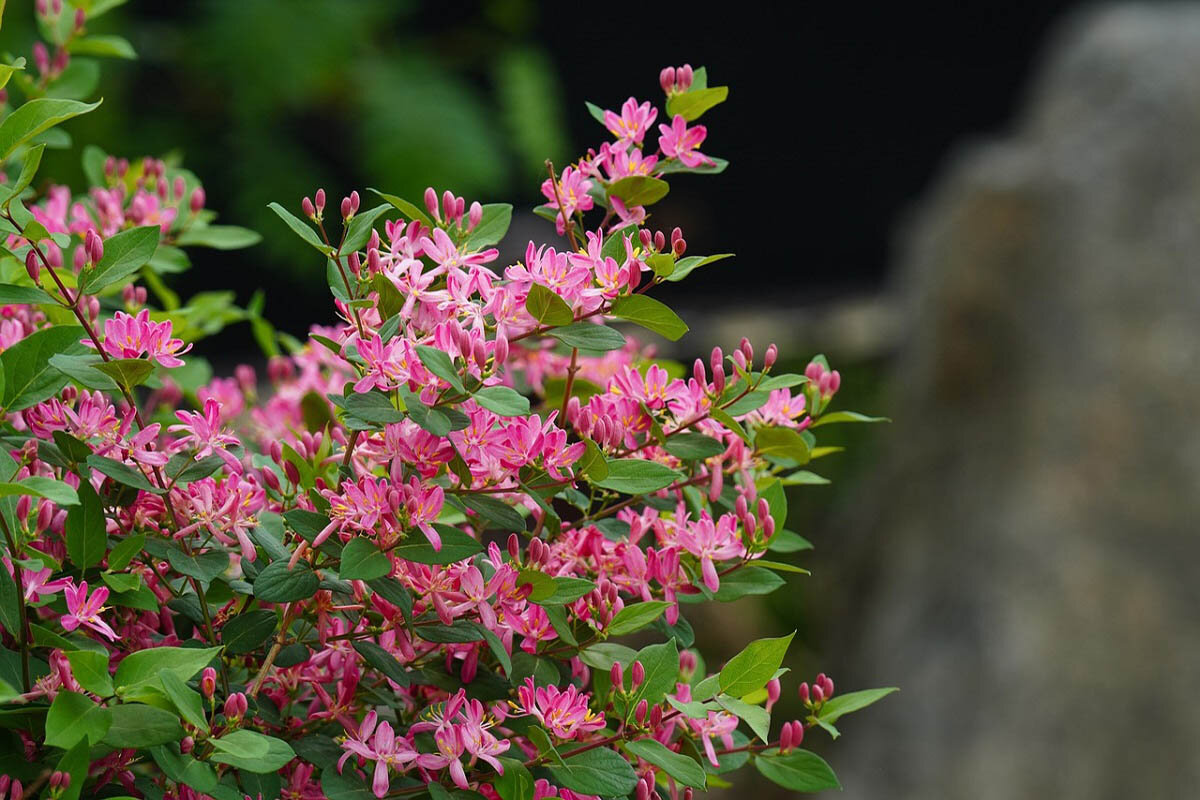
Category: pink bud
[827,685]
[196,203]
[355,263]
[79,259]
[683,77]
[666,79]
[475,215]
[797,732]
[698,372]
[770,356]
[56,6]
[347,208]
[42,7]
[500,353]
[80,18]
[818,694]
[679,247]
[785,737]
[186,745]
[802,690]
[460,207]
[660,241]
[640,712]
[208,682]
[638,675]
[688,793]
[747,350]
[643,790]
[179,188]
[617,676]
[773,691]
[687,662]
[716,359]
[41,57]
[319,198]
[32,265]
[374,262]
[355,200]
[95,246]
[431,203]
[645,238]
[719,379]
[110,167]
[448,205]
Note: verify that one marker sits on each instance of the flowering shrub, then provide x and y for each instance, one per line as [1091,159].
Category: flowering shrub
[449,552]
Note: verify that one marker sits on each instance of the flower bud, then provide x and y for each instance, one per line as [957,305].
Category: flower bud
[638,675]
[785,737]
[208,682]
[54,256]
[500,352]
[716,359]
[79,259]
[448,205]
[618,677]
[666,79]
[41,57]
[32,265]
[818,694]
[683,77]
[347,209]
[319,199]
[94,246]
[640,711]
[186,744]
[660,241]
[431,203]
[747,350]
[355,263]
[196,203]
[355,201]
[698,373]
[80,18]
[802,690]
[719,379]
[643,790]
[474,217]
[460,208]
[235,706]
[773,692]
[770,356]
[110,166]
[827,686]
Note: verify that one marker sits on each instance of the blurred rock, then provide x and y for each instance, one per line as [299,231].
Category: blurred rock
[1034,536]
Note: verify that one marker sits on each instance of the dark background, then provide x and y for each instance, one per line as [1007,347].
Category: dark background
[838,116]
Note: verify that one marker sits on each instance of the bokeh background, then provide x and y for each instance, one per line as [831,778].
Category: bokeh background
[987,215]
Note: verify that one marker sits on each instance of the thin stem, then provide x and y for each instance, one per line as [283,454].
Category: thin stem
[568,225]
[25,636]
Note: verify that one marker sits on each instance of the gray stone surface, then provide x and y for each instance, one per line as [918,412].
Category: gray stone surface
[1034,535]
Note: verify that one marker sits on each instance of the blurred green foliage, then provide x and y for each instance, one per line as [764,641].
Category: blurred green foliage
[269,99]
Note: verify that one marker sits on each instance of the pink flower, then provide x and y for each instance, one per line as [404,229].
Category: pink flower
[84,610]
[679,141]
[447,255]
[631,126]
[564,712]
[572,192]
[711,543]
[384,749]
[133,337]
[202,433]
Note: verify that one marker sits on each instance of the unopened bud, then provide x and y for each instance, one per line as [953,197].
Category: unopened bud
[355,263]
[638,675]
[32,265]
[80,18]
[666,79]
[640,712]
[208,682]
[186,744]
[355,200]
[716,359]
[347,209]
[770,356]
[431,203]
[773,692]
[618,676]
[196,203]
[683,77]
[802,690]
[319,199]
[475,215]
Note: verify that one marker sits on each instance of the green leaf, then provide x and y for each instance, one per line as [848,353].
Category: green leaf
[124,254]
[692,105]
[185,770]
[363,560]
[103,45]
[639,190]
[846,416]
[38,486]
[587,336]
[842,704]
[800,771]
[684,266]
[145,666]
[87,538]
[750,669]
[278,584]
[383,661]
[73,717]
[81,368]
[406,208]
[373,407]
[358,232]
[637,476]
[683,769]
[503,401]
[693,446]
[300,228]
[547,307]
[635,617]
[7,70]
[491,228]
[124,551]
[32,117]
[90,668]
[251,751]
[127,372]
[185,699]
[516,783]
[74,764]
[456,545]
[495,511]
[650,314]
[33,159]
[782,443]
[122,473]
[22,295]
[565,590]
[219,237]
[138,726]
[438,362]
[10,602]
[756,717]
[248,630]
[28,376]
[599,771]
[661,663]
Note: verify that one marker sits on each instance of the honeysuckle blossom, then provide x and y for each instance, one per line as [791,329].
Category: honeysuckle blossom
[565,713]
[679,141]
[631,125]
[84,610]
[134,337]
